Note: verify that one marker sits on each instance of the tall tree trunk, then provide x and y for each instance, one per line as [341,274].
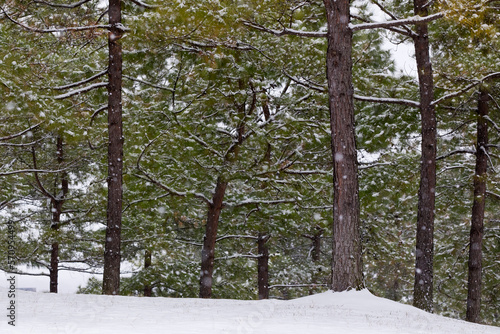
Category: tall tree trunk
[423,288]
[346,250]
[112,256]
[476,230]
[263,266]
[148,289]
[208,250]
[57,206]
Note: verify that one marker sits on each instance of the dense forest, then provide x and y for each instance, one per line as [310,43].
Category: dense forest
[254,149]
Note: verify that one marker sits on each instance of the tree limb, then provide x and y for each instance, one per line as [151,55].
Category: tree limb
[396,23]
[79,83]
[20,133]
[81,90]
[455,152]
[404,102]
[73,5]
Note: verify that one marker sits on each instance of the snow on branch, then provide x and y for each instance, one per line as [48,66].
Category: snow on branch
[148,83]
[81,90]
[376,164]
[404,102]
[495,195]
[449,154]
[296,285]
[151,179]
[20,133]
[32,170]
[495,125]
[142,4]
[62,30]
[285,31]
[396,23]
[466,88]
[79,83]
[259,201]
[237,237]
[73,5]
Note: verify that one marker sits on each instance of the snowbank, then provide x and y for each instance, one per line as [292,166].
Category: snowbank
[346,312]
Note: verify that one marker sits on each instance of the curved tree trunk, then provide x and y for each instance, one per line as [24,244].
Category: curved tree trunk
[477,229]
[208,250]
[112,256]
[346,250]
[423,288]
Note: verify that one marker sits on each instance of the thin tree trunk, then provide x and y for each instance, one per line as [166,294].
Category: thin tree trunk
[315,254]
[57,206]
[148,289]
[208,250]
[263,266]
[112,256]
[423,288]
[346,250]
[477,229]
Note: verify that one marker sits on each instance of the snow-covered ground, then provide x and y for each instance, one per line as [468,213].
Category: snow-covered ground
[346,312]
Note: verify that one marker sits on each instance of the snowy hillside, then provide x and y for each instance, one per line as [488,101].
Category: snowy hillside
[348,312]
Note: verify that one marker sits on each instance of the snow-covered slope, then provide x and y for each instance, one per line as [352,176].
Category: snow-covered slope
[347,312]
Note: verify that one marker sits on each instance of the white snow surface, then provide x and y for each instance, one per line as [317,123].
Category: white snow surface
[346,312]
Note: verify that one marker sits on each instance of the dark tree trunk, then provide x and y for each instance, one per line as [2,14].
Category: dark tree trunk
[476,230]
[346,250]
[148,289]
[208,250]
[263,266]
[112,256]
[316,245]
[316,255]
[57,207]
[423,288]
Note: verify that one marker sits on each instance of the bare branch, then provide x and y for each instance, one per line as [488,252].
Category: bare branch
[102,108]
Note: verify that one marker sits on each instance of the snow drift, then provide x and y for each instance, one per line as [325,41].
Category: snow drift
[346,312]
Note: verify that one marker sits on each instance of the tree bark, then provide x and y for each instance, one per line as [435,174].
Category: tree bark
[477,228]
[112,256]
[148,289]
[346,250]
[423,287]
[263,266]
[208,250]
[57,206]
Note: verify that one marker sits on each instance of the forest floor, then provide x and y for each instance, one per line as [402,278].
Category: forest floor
[346,312]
